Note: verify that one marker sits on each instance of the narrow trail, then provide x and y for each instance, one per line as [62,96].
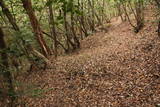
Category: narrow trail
[114,69]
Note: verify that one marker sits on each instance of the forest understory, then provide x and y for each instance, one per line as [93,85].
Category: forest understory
[118,68]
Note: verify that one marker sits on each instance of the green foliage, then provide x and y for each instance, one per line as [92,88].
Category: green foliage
[38,92]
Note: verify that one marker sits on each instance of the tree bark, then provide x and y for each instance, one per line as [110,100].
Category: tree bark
[159,28]
[125,10]
[73,28]
[53,29]
[4,55]
[7,74]
[140,16]
[10,17]
[36,27]
[158,5]
[82,21]
[92,21]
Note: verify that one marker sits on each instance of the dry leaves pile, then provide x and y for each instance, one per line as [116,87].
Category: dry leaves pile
[114,69]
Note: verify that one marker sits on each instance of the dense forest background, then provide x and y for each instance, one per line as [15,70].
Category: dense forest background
[33,33]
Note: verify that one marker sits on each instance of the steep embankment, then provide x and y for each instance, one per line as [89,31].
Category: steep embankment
[114,69]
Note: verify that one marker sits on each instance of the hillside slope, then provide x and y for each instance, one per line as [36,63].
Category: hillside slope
[114,69]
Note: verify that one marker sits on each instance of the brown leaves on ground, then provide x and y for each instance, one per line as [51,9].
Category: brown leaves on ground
[114,69]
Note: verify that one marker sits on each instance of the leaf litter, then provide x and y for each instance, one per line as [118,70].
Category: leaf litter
[114,69]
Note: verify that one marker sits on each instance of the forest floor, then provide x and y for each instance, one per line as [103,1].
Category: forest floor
[114,69]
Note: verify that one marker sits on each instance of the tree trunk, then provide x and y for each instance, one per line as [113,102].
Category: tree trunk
[66,30]
[103,8]
[36,27]
[140,16]
[67,33]
[159,28]
[7,74]
[76,40]
[125,10]
[119,11]
[12,21]
[92,20]
[4,56]
[53,29]
[82,22]
[158,5]
[10,17]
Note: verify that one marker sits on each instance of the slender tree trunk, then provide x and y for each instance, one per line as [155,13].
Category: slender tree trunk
[120,12]
[67,33]
[58,43]
[10,17]
[133,11]
[140,16]
[7,74]
[98,19]
[82,20]
[125,10]
[159,28]
[158,5]
[12,21]
[92,21]
[36,27]
[76,40]
[74,33]
[53,29]
[103,7]
[66,30]
[4,55]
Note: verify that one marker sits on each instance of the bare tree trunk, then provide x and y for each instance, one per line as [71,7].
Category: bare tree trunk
[50,36]
[7,74]
[133,11]
[92,21]
[103,7]
[159,28]
[119,11]
[53,29]
[125,10]
[76,40]
[4,55]
[36,27]
[67,32]
[11,19]
[82,20]
[74,33]
[140,16]
[158,5]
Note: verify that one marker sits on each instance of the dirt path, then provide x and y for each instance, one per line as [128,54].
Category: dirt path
[114,69]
